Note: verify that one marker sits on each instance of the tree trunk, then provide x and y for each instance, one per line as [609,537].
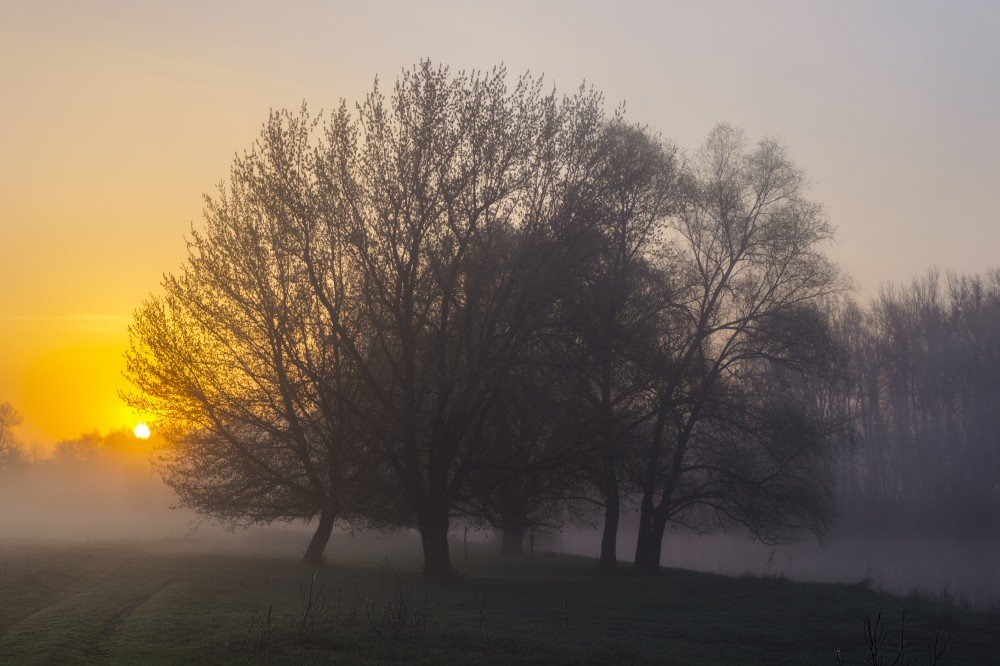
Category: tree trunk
[512,541]
[650,539]
[649,544]
[612,510]
[314,553]
[433,527]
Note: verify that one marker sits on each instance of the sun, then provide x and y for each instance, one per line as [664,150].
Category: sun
[141,431]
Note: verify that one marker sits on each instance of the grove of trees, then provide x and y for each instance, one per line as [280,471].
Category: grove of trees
[473,298]
[924,405]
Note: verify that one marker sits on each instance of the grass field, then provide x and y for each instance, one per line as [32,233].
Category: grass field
[147,603]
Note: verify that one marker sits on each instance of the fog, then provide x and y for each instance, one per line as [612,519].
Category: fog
[95,500]
[118,497]
[121,499]
[958,569]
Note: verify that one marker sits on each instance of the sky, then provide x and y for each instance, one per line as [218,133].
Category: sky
[115,118]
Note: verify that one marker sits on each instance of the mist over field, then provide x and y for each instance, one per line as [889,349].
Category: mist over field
[928,566]
[124,501]
[108,525]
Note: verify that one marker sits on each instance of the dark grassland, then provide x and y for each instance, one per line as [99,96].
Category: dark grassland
[141,603]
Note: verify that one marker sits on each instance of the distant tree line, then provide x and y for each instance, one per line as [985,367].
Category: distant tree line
[924,402]
[11,451]
[118,445]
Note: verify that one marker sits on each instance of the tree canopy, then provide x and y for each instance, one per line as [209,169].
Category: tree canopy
[474,297]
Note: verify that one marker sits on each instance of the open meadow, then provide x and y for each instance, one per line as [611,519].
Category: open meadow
[175,602]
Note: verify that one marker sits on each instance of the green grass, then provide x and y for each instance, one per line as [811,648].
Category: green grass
[143,603]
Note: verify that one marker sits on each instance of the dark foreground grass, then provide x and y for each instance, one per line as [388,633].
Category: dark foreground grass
[135,603]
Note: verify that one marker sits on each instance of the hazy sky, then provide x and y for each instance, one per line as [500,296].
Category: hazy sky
[115,118]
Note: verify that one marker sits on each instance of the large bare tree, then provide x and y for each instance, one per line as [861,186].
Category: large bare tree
[457,196]
[749,276]
[243,367]
[614,309]
[357,298]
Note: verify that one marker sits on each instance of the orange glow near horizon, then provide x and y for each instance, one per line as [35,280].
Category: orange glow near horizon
[66,379]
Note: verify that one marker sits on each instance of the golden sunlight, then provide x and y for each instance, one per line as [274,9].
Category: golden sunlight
[141,431]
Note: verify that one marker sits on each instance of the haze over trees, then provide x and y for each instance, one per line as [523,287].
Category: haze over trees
[925,405]
[473,298]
